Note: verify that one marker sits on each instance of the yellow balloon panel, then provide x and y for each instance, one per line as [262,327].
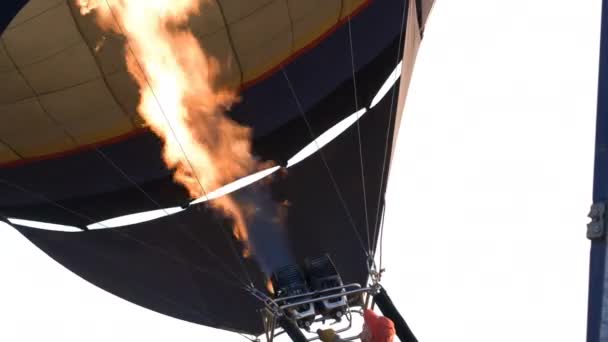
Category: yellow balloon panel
[64,82]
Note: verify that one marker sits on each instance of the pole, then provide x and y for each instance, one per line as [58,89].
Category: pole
[385,304]
[292,329]
[597,313]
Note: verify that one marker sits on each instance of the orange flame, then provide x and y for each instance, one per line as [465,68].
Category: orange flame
[178,98]
[269,286]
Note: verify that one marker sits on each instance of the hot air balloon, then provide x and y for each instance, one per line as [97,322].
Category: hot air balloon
[322,85]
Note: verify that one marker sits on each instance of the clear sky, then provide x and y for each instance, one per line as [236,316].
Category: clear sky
[487,200]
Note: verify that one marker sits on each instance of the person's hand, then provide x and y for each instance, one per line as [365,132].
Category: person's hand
[327,335]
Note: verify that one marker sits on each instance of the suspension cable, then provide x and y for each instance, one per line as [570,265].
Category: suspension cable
[380,268]
[182,228]
[388,127]
[329,172]
[352,63]
[247,337]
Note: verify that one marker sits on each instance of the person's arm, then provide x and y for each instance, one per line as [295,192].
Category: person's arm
[329,335]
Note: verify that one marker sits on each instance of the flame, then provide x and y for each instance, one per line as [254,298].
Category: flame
[99,44]
[269,286]
[281,217]
[178,97]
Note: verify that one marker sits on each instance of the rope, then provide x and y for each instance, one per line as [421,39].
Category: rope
[388,126]
[331,176]
[248,338]
[381,238]
[182,228]
[352,63]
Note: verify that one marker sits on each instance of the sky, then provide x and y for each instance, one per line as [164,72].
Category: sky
[486,205]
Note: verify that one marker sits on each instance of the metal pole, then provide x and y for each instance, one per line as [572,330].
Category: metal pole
[597,315]
[389,310]
[319,299]
[291,329]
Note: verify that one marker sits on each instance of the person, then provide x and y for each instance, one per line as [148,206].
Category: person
[375,329]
